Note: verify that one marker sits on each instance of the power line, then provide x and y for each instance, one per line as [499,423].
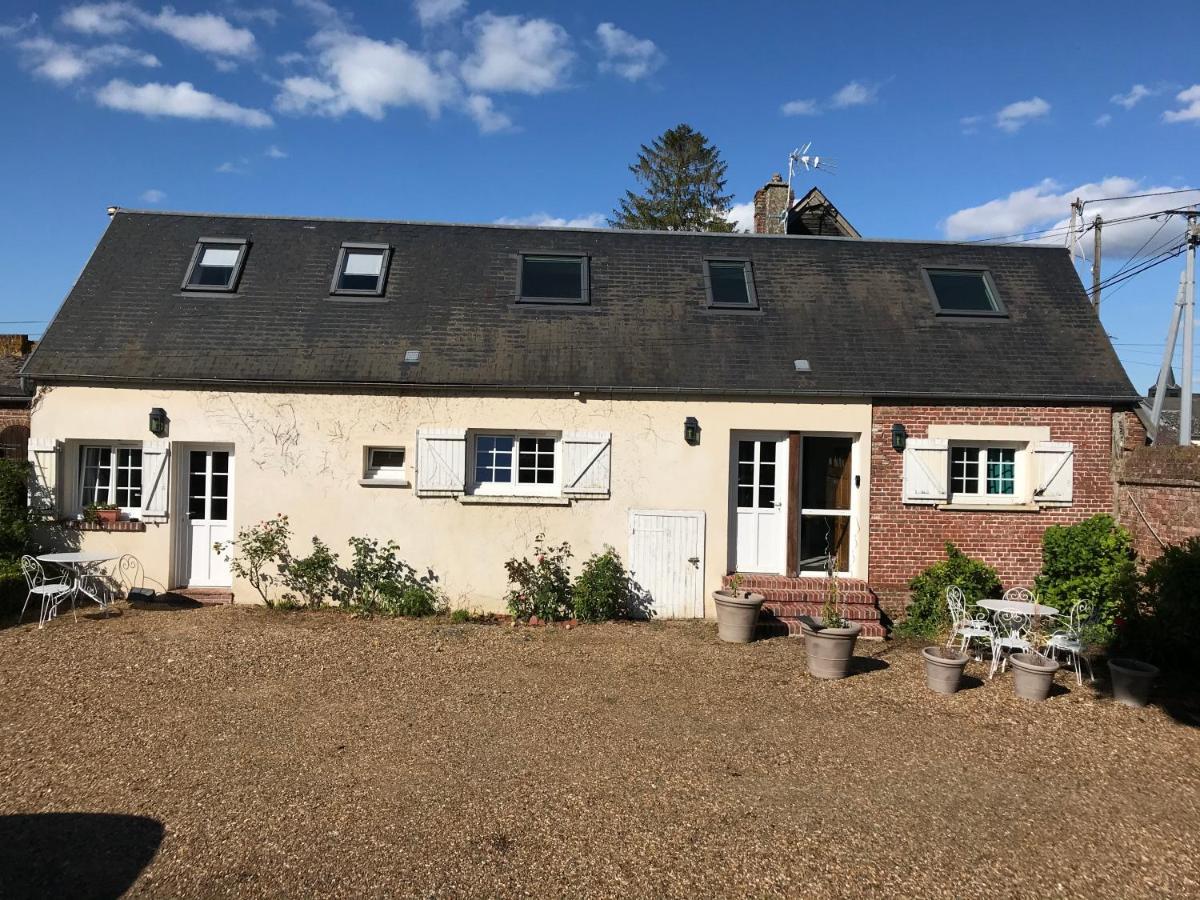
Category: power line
[1140,196]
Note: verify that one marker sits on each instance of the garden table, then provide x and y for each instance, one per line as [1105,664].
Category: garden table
[79,566]
[1013,618]
[1019,607]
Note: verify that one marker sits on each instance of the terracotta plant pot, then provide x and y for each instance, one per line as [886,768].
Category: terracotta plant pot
[829,650]
[943,669]
[1033,674]
[737,615]
[108,516]
[1132,680]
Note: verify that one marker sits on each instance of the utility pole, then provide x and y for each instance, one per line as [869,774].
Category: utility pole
[1096,224]
[1189,330]
[1160,390]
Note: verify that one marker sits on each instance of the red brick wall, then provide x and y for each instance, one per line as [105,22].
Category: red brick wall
[904,539]
[14,431]
[1158,497]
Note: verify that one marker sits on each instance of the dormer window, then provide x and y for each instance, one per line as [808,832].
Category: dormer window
[553,278]
[361,269]
[729,284]
[963,292]
[216,264]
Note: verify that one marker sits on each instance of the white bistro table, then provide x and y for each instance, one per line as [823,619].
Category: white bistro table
[1017,607]
[1016,638]
[79,566]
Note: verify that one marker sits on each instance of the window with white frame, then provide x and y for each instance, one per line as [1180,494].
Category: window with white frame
[987,473]
[515,464]
[111,474]
[385,465]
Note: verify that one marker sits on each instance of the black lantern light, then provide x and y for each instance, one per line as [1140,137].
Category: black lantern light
[899,437]
[158,422]
[691,431]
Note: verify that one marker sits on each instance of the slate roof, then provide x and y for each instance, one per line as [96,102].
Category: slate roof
[857,310]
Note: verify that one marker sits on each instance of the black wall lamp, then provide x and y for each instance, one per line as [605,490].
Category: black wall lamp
[691,431]
[899,437]
[158,422]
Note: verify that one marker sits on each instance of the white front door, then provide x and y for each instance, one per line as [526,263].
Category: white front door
[760,471]
[206,496]
[666,562]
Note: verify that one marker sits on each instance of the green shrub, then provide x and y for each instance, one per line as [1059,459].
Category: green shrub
[1163,625]
[1092,561]
[17,521]
[542,586]
[460,616]
[927,614]
[601,591]
[411,598]
[310,580]
[375,568]
[254,548]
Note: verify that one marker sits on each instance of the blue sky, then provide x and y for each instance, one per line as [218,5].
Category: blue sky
[963,120]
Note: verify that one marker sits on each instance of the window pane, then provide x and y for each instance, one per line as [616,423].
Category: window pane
[766,495]
[552,277]
[215,265]
[964,470]
[745,496]
[220,485]
[361,270]
[535,460]
[196,484]
[962,291]
[745,473]
[220,460]
[820,535]
[728,280]
[220,509]
[195,507]
[387,459]
[1001,470]
[825,479]
[766,451]
[493,459]
[746,451]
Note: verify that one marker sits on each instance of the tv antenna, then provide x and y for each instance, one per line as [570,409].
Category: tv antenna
[800,158]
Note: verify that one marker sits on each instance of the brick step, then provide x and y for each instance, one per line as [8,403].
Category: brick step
[804,582]
[857,612]
[207,596]
[779,626]
[784,595]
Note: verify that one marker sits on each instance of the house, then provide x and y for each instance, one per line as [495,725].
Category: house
[14,396]
[705,403]
[1168,428]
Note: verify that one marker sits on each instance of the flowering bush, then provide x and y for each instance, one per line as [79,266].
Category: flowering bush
[254,547]
[540,586]
[310,580]
[602,589]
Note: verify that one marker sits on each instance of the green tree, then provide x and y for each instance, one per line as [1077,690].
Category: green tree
[683,178]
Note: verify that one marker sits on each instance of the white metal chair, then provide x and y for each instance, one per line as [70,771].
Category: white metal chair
[1012,636]
[1019,595]
[966,626]
[129,574]
[50,592]
[1068,639]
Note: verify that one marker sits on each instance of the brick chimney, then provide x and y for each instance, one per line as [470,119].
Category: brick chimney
[15,344]
[770,202]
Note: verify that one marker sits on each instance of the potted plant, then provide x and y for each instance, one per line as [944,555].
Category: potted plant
[102,513]
[1033,671]
[1132,680]
[737,612]
[829,644]
[943,669]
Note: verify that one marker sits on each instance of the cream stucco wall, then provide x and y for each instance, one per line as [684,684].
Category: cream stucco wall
[302,453]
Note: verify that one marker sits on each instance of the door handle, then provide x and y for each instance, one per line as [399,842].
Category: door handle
[694,560]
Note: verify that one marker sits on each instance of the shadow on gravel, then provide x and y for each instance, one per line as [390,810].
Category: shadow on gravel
[94,855]
[860,665]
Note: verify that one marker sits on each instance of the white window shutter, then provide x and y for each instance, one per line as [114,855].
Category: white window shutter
[586,463]
[926,470]
[45,456]
[441,462]
[1054,472]
[155,478]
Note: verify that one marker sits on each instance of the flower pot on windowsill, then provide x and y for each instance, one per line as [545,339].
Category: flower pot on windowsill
[1132,680]
[108,516]
[1033,675]
[943,669]
[829,650]
[737,615]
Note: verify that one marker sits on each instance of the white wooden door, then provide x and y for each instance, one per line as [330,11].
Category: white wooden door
[208,485]
[666,561]
[760,471]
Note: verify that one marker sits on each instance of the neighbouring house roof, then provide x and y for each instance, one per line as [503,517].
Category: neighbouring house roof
[1168,426]
[813,214]
[857,310]
[14,351]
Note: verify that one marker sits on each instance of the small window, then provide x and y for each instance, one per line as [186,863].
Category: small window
[963,292]
[385,464]
[729,283]
[979,473]
[111,475]
[361,269]
[216,265]
[553,279]
[516,464]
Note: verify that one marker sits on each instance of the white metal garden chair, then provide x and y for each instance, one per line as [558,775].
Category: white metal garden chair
[966,626]
[1068,639]
[49,591]
[1012,635]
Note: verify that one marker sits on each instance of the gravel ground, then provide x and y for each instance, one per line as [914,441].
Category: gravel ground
[313,754]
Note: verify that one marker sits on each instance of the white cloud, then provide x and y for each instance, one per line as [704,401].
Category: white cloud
[437,12]
[530,56]
[1103,121]
[970,124]
[367,76]
[206,32]
[632,58]
[265,14]
[100,18]
[1136,95]
[742,216]
[1190,98]
[11,31]
[1047,205]
[800,108]
[153,196]
[274,152]
[233,168]
[485,114]
[856,93]
[325,14]
[1016,116]
[65,63]
[178,101]
[545,220]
